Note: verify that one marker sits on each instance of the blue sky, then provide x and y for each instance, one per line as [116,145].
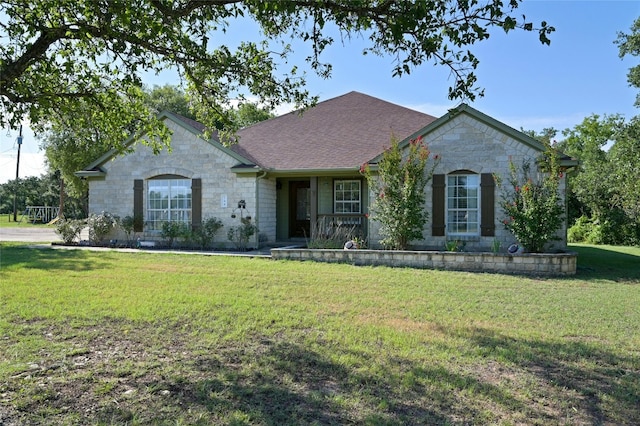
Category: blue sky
[526,84]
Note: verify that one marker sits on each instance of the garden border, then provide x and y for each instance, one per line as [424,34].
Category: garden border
[537,264]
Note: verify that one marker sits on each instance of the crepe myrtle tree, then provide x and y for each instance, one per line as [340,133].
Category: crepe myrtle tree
[531,200]
[62,58]
[398,185]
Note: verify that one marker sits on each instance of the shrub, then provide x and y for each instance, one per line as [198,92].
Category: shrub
[532,204]
[128,225]
[100,225]
[584,230]
[618,228]
[241,234]
[612,227]
[454,245]
[174,230]
[205,234]
[69,230]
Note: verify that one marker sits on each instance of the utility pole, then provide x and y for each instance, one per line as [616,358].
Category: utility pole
[15,194]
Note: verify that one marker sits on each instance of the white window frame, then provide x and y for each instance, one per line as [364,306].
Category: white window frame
[337,200]
[347,201]
[459,204]
[174,204]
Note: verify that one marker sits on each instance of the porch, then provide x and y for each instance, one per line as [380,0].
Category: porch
[320,207]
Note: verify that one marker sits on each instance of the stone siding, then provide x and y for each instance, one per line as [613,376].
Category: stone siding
[535,264]
[191,157]
[465,143]
[266,216]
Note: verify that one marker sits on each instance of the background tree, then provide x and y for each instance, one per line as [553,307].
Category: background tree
[169,98]
[606,182]
[624,156]
[249,113]
[37,191]
[629,44]
[62,58]
[589,183]
[546,135]
[28,192]
[72,142]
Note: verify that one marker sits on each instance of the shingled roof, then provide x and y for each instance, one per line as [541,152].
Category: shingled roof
[339,133]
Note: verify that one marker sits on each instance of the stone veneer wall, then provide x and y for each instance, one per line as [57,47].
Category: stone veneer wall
[266,214]
[192,158]
[465,143]
[538,264]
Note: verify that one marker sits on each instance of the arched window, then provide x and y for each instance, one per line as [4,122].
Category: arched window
[169,199]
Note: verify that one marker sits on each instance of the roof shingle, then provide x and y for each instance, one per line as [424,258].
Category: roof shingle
[342,132]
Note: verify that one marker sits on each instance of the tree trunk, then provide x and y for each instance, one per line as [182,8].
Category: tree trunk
[62,199]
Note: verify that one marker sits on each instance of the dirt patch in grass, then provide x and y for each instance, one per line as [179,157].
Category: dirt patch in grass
[122,372]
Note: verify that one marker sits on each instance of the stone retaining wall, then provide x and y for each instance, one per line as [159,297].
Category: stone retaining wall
[539,264]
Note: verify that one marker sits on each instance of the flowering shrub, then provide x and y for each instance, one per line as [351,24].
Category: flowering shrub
[100,225]
[532,204]
[399,185]
[69,230]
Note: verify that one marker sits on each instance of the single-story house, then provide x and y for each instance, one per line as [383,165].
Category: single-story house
[296,171]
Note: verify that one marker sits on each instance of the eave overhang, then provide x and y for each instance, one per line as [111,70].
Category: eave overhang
[86,174]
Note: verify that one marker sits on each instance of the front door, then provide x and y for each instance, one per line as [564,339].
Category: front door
[299,209]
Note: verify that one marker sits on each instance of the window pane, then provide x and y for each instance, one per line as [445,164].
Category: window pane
[462,204]
[347,196]
[168,200]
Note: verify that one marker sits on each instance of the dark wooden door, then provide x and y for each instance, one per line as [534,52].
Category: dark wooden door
[299,209]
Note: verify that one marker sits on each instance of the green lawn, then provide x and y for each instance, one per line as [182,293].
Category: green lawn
[6,221]
[150,338]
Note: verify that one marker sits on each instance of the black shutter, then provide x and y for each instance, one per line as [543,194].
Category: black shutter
[196,203]
[487,205]
[138,197]
[437,201]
